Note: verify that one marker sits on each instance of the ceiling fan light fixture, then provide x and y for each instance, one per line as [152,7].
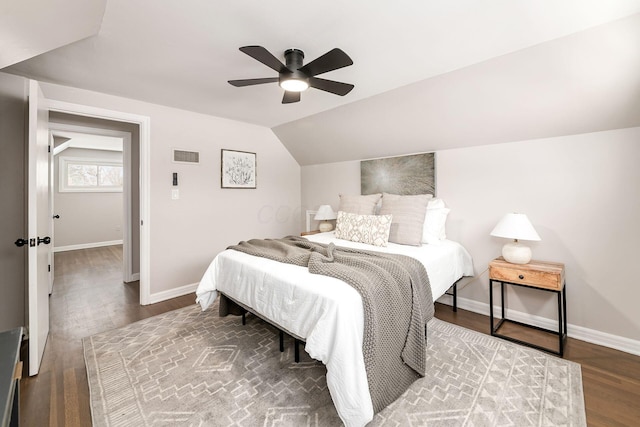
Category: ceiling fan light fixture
[294,85]
[294,77]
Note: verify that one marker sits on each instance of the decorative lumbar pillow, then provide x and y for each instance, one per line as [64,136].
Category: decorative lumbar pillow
[364,205]
[434,225]
[408,217]
[369,229]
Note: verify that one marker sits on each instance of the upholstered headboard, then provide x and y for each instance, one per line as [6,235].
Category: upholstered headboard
[405,175]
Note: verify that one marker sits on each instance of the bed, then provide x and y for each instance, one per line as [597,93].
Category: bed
[398,213]
[324,312]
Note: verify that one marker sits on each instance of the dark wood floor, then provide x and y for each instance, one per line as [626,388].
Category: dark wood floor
[89,297]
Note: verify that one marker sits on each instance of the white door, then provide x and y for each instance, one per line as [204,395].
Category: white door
[38,226]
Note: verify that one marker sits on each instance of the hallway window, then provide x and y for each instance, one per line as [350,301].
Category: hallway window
[90,175]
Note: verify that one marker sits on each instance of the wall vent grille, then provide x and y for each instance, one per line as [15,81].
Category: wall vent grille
[183,156]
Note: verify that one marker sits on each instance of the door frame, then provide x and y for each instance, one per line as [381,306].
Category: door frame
[127,253]
[144,124]
[51,177]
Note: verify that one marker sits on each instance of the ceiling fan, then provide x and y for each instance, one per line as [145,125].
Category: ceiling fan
[294,77]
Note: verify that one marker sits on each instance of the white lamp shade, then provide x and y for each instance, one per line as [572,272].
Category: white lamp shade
[515,226]
[325,213]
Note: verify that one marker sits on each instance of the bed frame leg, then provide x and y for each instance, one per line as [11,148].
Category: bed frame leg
[455,297]
[244,319]
[281,341]
[453,292]
[297,350]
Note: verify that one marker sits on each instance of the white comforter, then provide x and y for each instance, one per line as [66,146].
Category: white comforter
[325,311]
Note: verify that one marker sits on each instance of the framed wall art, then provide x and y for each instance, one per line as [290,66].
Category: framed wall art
[238,169]
[405,175]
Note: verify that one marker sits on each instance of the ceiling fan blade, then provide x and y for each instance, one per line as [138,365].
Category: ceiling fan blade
[251,82]
[332,60]
[290,97]
[332,86]
[263,55]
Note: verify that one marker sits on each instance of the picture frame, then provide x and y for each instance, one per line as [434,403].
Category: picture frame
[238,169]
[404,175]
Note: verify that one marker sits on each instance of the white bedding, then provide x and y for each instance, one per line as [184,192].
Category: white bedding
[325,311]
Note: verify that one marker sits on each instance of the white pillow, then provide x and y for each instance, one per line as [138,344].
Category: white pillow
[369,229]
[435,203]
[435,218]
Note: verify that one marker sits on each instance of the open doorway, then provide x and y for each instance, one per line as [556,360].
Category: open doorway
[139,126]
[104,156]
[91,186]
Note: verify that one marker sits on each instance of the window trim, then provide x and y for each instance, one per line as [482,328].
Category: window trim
[64,161]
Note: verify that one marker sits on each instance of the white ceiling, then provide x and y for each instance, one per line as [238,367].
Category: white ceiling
[182,54]
[582,83]
[86,141]
[31,27]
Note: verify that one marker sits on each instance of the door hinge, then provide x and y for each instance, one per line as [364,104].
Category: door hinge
[48,148]
[49,268]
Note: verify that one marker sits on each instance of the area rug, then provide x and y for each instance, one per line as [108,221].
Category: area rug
[193,368]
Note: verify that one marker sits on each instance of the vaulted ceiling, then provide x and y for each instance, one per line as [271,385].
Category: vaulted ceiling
[428,75]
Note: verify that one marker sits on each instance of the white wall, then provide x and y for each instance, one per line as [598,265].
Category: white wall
[187,233]
[86,218]
[581,194]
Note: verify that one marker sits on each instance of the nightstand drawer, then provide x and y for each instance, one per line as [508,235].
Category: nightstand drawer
[538,274]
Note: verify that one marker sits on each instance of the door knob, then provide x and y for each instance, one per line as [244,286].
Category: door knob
[46,240]
[21,242]
[56,217]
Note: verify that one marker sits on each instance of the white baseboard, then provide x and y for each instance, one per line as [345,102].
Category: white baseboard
[578,332]
[173,293]
[86,246]
[134,277]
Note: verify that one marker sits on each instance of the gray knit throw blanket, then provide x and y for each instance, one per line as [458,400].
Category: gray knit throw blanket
[396,298]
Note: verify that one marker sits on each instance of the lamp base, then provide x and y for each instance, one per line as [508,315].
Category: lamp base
[516,253]
[325,226]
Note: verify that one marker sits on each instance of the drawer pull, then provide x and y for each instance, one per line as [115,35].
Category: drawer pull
[521,277]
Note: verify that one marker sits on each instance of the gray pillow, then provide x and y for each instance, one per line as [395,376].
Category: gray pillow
[364,205]
[370,229]
[408,213]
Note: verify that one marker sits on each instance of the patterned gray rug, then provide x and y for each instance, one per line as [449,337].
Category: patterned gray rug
[192,368]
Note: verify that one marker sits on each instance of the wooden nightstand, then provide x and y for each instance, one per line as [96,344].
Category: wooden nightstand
[545,276]
[307,233]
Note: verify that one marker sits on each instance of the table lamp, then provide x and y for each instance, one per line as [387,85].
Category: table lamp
[324,214]
[516,226]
